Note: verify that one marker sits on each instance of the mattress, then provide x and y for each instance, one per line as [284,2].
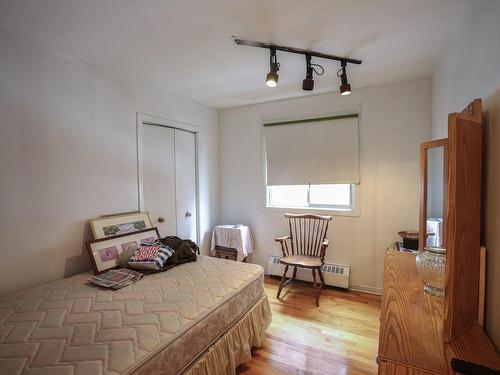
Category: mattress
[161,323]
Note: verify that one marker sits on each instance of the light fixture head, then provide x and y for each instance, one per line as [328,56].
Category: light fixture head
[308,82]
[272,79]
[345,87]
[272,76]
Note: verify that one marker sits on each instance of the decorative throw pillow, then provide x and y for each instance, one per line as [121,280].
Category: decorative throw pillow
[150,256]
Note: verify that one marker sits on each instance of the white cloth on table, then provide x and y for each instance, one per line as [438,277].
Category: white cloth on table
[237,237]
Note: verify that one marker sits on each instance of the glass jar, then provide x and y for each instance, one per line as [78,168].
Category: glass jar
[431,265]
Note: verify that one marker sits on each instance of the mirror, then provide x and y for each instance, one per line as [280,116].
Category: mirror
[433,159]
[435,192]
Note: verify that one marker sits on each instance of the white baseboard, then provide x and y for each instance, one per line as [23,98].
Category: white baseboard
[356,287]
[366,289]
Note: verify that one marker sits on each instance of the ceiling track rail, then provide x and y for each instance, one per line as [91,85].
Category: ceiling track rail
[299,51]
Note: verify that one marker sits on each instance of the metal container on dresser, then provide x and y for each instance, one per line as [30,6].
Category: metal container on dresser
[420,334]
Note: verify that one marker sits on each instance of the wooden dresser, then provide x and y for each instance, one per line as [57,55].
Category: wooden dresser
[411,327]
[420,333]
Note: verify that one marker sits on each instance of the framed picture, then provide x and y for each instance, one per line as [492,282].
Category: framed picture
[104,252]
[115,225]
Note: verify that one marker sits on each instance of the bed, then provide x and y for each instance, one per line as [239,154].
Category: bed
[197,318]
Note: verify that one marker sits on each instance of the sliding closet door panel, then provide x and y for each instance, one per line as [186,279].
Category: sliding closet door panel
[158,177]
[185,171]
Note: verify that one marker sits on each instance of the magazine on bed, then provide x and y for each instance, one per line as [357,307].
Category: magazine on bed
[116,278]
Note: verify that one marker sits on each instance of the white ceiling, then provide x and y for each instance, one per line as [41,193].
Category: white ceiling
[185,46]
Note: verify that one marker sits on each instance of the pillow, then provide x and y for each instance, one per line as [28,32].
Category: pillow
[150,256]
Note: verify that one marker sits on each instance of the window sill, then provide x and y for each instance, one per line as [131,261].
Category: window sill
[326,211]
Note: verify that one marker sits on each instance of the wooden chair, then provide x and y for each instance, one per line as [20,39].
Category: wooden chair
[307,248]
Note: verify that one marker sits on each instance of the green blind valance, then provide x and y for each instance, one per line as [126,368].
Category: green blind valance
[290,122]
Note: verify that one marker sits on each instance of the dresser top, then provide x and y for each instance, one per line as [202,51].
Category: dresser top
[411,324]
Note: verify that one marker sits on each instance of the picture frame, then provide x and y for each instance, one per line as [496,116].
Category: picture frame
[104,253]
[114,225]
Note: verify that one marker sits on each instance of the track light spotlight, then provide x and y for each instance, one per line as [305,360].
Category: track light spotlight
[272,79]
[308,82]
[345,87]
[272,76]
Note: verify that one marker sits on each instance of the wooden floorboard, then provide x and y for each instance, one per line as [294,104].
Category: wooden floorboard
[339,337]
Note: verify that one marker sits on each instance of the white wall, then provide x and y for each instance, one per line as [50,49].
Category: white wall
[395,119]
[68,153]
[469,65]
[468,68]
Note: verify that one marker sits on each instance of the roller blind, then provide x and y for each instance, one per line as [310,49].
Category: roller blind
[313,151]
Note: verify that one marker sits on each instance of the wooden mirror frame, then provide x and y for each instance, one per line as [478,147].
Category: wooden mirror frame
[422,230]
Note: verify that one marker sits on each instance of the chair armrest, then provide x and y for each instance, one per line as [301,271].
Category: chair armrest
[324,245]
[283,243]
[281,239]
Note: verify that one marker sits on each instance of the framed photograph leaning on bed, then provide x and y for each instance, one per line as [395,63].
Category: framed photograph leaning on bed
[114,225]
[105,252]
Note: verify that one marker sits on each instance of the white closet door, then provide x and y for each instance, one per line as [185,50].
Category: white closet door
[185,177]
[158,177]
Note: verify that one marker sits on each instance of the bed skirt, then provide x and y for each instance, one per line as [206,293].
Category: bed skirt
[234,347]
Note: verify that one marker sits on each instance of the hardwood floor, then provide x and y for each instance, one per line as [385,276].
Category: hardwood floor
[339,337]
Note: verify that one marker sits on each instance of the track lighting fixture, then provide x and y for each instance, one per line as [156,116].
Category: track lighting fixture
[272,76]
[308,82]
[345,87]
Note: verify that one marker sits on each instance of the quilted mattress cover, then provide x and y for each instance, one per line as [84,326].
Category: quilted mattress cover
[165,320]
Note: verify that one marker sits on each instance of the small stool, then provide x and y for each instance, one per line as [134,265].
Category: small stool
[227,253]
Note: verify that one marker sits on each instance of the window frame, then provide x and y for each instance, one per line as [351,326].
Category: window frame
[338,210]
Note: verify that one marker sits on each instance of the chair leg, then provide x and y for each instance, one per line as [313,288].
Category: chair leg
[294,273]
[283,280]
[316,288]
[321,277]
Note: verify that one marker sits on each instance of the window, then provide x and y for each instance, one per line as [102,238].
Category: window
[338,197]
[313,163]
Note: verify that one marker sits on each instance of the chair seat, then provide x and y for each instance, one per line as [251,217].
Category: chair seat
[302,261]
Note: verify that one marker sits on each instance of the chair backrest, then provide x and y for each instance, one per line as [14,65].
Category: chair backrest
[307,233]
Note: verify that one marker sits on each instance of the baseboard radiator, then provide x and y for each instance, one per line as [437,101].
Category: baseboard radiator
[334,274]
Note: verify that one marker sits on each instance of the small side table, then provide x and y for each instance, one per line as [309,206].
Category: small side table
[232,242]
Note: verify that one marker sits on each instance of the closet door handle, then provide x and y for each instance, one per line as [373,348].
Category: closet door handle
[188,214]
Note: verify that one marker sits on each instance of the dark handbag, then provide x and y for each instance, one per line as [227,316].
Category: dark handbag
[177,243]
[184,251]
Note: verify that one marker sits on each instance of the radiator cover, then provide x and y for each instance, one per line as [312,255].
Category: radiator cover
[334,274]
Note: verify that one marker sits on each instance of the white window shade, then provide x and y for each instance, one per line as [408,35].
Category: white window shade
[313,151]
